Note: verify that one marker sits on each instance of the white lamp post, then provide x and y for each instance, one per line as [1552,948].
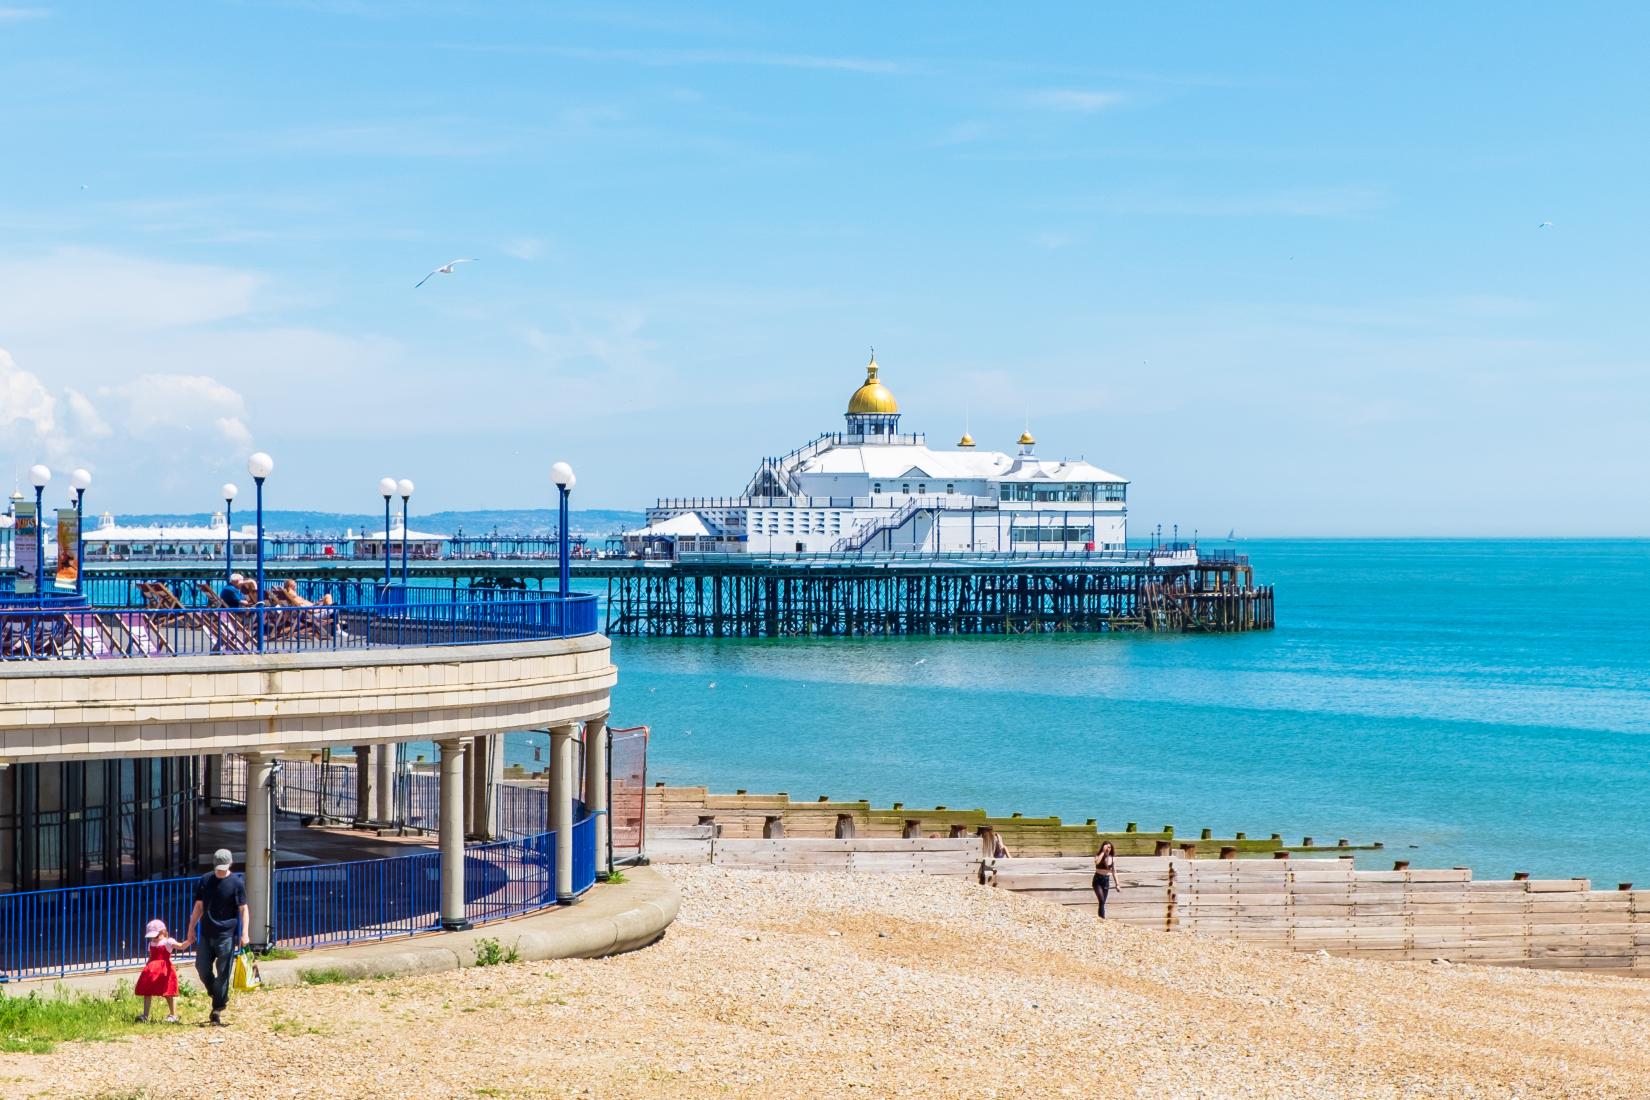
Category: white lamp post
[230,492]
[562,474]
[405,488]
[260,466]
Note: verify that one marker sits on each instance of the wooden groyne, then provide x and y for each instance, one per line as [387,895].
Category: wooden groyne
[746,816]
[764,598]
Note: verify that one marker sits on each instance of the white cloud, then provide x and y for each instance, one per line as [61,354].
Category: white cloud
[24,398]
[74,287]
[86,420]
[10,14]
[1075,99]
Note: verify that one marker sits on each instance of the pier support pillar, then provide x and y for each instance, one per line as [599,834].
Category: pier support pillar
[452,836]
[561,808]
[595,789]
[383,762]
[260,822]
[364,784]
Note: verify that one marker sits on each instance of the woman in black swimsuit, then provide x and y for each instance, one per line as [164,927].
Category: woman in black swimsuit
[1105,874]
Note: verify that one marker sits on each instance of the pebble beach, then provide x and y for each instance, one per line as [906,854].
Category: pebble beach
[828,985]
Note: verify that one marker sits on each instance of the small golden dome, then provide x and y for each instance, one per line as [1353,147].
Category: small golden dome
[1026,440]
[966,441]
[872,397]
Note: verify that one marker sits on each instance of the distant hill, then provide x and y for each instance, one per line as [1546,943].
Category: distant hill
[506,521]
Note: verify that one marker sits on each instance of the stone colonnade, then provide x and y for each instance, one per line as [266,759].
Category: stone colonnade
[470,769]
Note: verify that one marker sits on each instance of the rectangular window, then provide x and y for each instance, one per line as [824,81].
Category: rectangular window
[1073,537]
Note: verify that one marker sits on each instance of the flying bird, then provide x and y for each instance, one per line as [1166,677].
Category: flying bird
[444,269]
[1545,225]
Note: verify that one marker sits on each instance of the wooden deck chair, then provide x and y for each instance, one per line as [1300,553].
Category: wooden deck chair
[225,623]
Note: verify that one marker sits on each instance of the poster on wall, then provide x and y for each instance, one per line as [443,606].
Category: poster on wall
[28,535]
[68,550]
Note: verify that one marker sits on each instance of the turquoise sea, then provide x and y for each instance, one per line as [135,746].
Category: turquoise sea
[1479,703]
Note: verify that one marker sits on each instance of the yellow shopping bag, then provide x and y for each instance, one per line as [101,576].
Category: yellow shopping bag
[245,978]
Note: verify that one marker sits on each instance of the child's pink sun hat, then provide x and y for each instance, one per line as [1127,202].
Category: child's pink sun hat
[156,928]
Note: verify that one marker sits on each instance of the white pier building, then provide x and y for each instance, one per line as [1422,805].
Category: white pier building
[872,489]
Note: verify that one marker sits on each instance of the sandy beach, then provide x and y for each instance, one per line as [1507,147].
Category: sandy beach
[826,985]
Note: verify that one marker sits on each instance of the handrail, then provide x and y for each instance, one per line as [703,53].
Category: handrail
[400,617]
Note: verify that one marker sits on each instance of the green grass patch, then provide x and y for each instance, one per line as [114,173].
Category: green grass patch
[36,1024]
[326,975]
[492,953]
[616,878]
[277,953]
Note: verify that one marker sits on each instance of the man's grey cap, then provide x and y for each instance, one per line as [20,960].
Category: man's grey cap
[222,858]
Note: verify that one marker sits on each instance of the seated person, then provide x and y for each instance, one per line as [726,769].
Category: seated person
[289,594]
[231,594]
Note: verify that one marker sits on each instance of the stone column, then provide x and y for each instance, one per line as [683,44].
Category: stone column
[470,748]
[259,815]
[561,808]
[452,836]
[595,787]
[383,759]
[365,785]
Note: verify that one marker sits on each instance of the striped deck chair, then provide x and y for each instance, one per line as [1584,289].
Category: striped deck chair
[142,637]
[235,633]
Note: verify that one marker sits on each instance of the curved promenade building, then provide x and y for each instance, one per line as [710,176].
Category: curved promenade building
[114,720]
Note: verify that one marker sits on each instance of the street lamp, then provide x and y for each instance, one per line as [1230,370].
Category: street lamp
[80,480]
[562,474]
[39,477]
[230,492]
[260,466]
[387,486]
[405,488]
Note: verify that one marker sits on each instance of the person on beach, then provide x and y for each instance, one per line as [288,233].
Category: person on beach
[159,977]
[998,849]
[231,594]
[1105,874]
[220,913]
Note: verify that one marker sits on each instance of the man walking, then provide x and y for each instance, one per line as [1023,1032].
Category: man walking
[224,921]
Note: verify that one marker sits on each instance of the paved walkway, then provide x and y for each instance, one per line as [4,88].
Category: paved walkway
[609,920]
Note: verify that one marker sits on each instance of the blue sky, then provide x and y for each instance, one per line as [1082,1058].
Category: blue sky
[1280,266]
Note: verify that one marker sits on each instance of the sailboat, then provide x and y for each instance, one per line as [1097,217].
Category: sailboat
[1231,536]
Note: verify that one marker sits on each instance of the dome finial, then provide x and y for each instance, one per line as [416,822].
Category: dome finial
[872,397]
[967,439]
[1027,441]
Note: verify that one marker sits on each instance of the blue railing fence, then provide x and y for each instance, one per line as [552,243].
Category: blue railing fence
[397,617]
[99,928]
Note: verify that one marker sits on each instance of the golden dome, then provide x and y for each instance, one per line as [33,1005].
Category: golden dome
[1026,440]
[873,397]
[966,441]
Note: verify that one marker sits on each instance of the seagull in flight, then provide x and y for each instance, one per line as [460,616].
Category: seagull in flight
[1545,225]
[444,269]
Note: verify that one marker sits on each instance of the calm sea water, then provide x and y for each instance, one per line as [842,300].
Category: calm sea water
[1484,703]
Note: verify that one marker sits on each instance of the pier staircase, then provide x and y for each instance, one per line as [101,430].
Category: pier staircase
[776,477]
[861,537]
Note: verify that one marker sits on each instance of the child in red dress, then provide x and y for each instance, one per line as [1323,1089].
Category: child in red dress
[159,977]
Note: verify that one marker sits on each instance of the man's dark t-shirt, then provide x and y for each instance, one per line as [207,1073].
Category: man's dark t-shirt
[221,900]
[231,596]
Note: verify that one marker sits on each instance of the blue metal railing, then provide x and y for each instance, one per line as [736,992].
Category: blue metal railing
[44,932]
[100,928]
[510,877]
[584,852]
[367,899]
[399,617]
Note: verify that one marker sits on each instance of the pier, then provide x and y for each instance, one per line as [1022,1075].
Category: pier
[739,596]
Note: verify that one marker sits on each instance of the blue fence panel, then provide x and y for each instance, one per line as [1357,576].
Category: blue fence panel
[178,625]
[368,899]
[85,928]
[584,853]
[509,877]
